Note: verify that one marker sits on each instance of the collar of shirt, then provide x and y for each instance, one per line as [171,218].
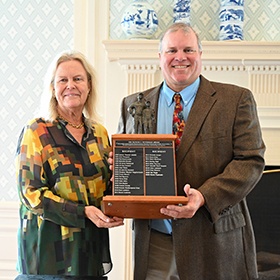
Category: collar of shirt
[166,105]
[69,135]
[187,94]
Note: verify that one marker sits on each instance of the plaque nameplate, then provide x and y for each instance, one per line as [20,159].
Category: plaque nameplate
[144,164]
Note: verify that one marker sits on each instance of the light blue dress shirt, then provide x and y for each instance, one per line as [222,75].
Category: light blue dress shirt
[164,126]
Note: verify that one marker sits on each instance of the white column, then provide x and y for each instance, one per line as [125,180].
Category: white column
[265,83]
[139,76]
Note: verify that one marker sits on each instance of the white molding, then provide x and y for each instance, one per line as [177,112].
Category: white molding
[80,23]
[8,239]
[212,50]
[241,50]
[269,117]
[8,212]
[128,250]
[85,27]
[131,49]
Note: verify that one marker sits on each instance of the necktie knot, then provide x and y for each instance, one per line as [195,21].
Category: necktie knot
[177,98]
[178,118]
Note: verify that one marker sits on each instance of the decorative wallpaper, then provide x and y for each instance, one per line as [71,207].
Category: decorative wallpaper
[261,18]
[32,33]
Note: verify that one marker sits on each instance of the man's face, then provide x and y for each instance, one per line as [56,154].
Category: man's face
[180,59]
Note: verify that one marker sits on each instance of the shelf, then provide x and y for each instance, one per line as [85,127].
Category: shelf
[147,50]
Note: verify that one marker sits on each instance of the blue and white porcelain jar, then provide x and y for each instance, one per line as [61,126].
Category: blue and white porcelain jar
[139,20]
[231,19]
[182,11]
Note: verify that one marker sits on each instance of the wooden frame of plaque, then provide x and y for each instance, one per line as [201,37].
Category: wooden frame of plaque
[144,181]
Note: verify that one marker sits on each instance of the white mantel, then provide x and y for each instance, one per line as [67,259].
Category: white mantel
[212,50]
[255,65]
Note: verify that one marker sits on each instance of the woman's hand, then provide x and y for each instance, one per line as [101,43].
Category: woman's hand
[100,219]
[110,160]
[196,200]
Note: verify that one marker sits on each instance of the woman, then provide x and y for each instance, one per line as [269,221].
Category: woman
[62,175]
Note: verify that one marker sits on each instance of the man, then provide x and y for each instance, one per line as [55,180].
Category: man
[219,161]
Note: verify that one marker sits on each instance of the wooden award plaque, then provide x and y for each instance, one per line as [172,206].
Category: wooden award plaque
[144,172]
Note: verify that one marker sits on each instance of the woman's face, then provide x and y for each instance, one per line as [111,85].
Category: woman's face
[71,85]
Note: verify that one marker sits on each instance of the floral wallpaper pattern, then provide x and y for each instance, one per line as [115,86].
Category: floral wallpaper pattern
[32,33]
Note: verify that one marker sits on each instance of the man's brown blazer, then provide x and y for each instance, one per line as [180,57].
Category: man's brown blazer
[222,155]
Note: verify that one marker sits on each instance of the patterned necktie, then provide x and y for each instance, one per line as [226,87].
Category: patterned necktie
[178,119]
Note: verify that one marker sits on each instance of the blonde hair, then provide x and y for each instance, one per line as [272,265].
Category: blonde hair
[48,101]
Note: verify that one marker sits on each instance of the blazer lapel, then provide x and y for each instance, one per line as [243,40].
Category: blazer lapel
[205,99]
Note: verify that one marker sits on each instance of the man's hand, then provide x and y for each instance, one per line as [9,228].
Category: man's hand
[196,200]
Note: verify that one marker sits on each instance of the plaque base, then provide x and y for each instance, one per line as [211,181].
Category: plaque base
[139,207]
